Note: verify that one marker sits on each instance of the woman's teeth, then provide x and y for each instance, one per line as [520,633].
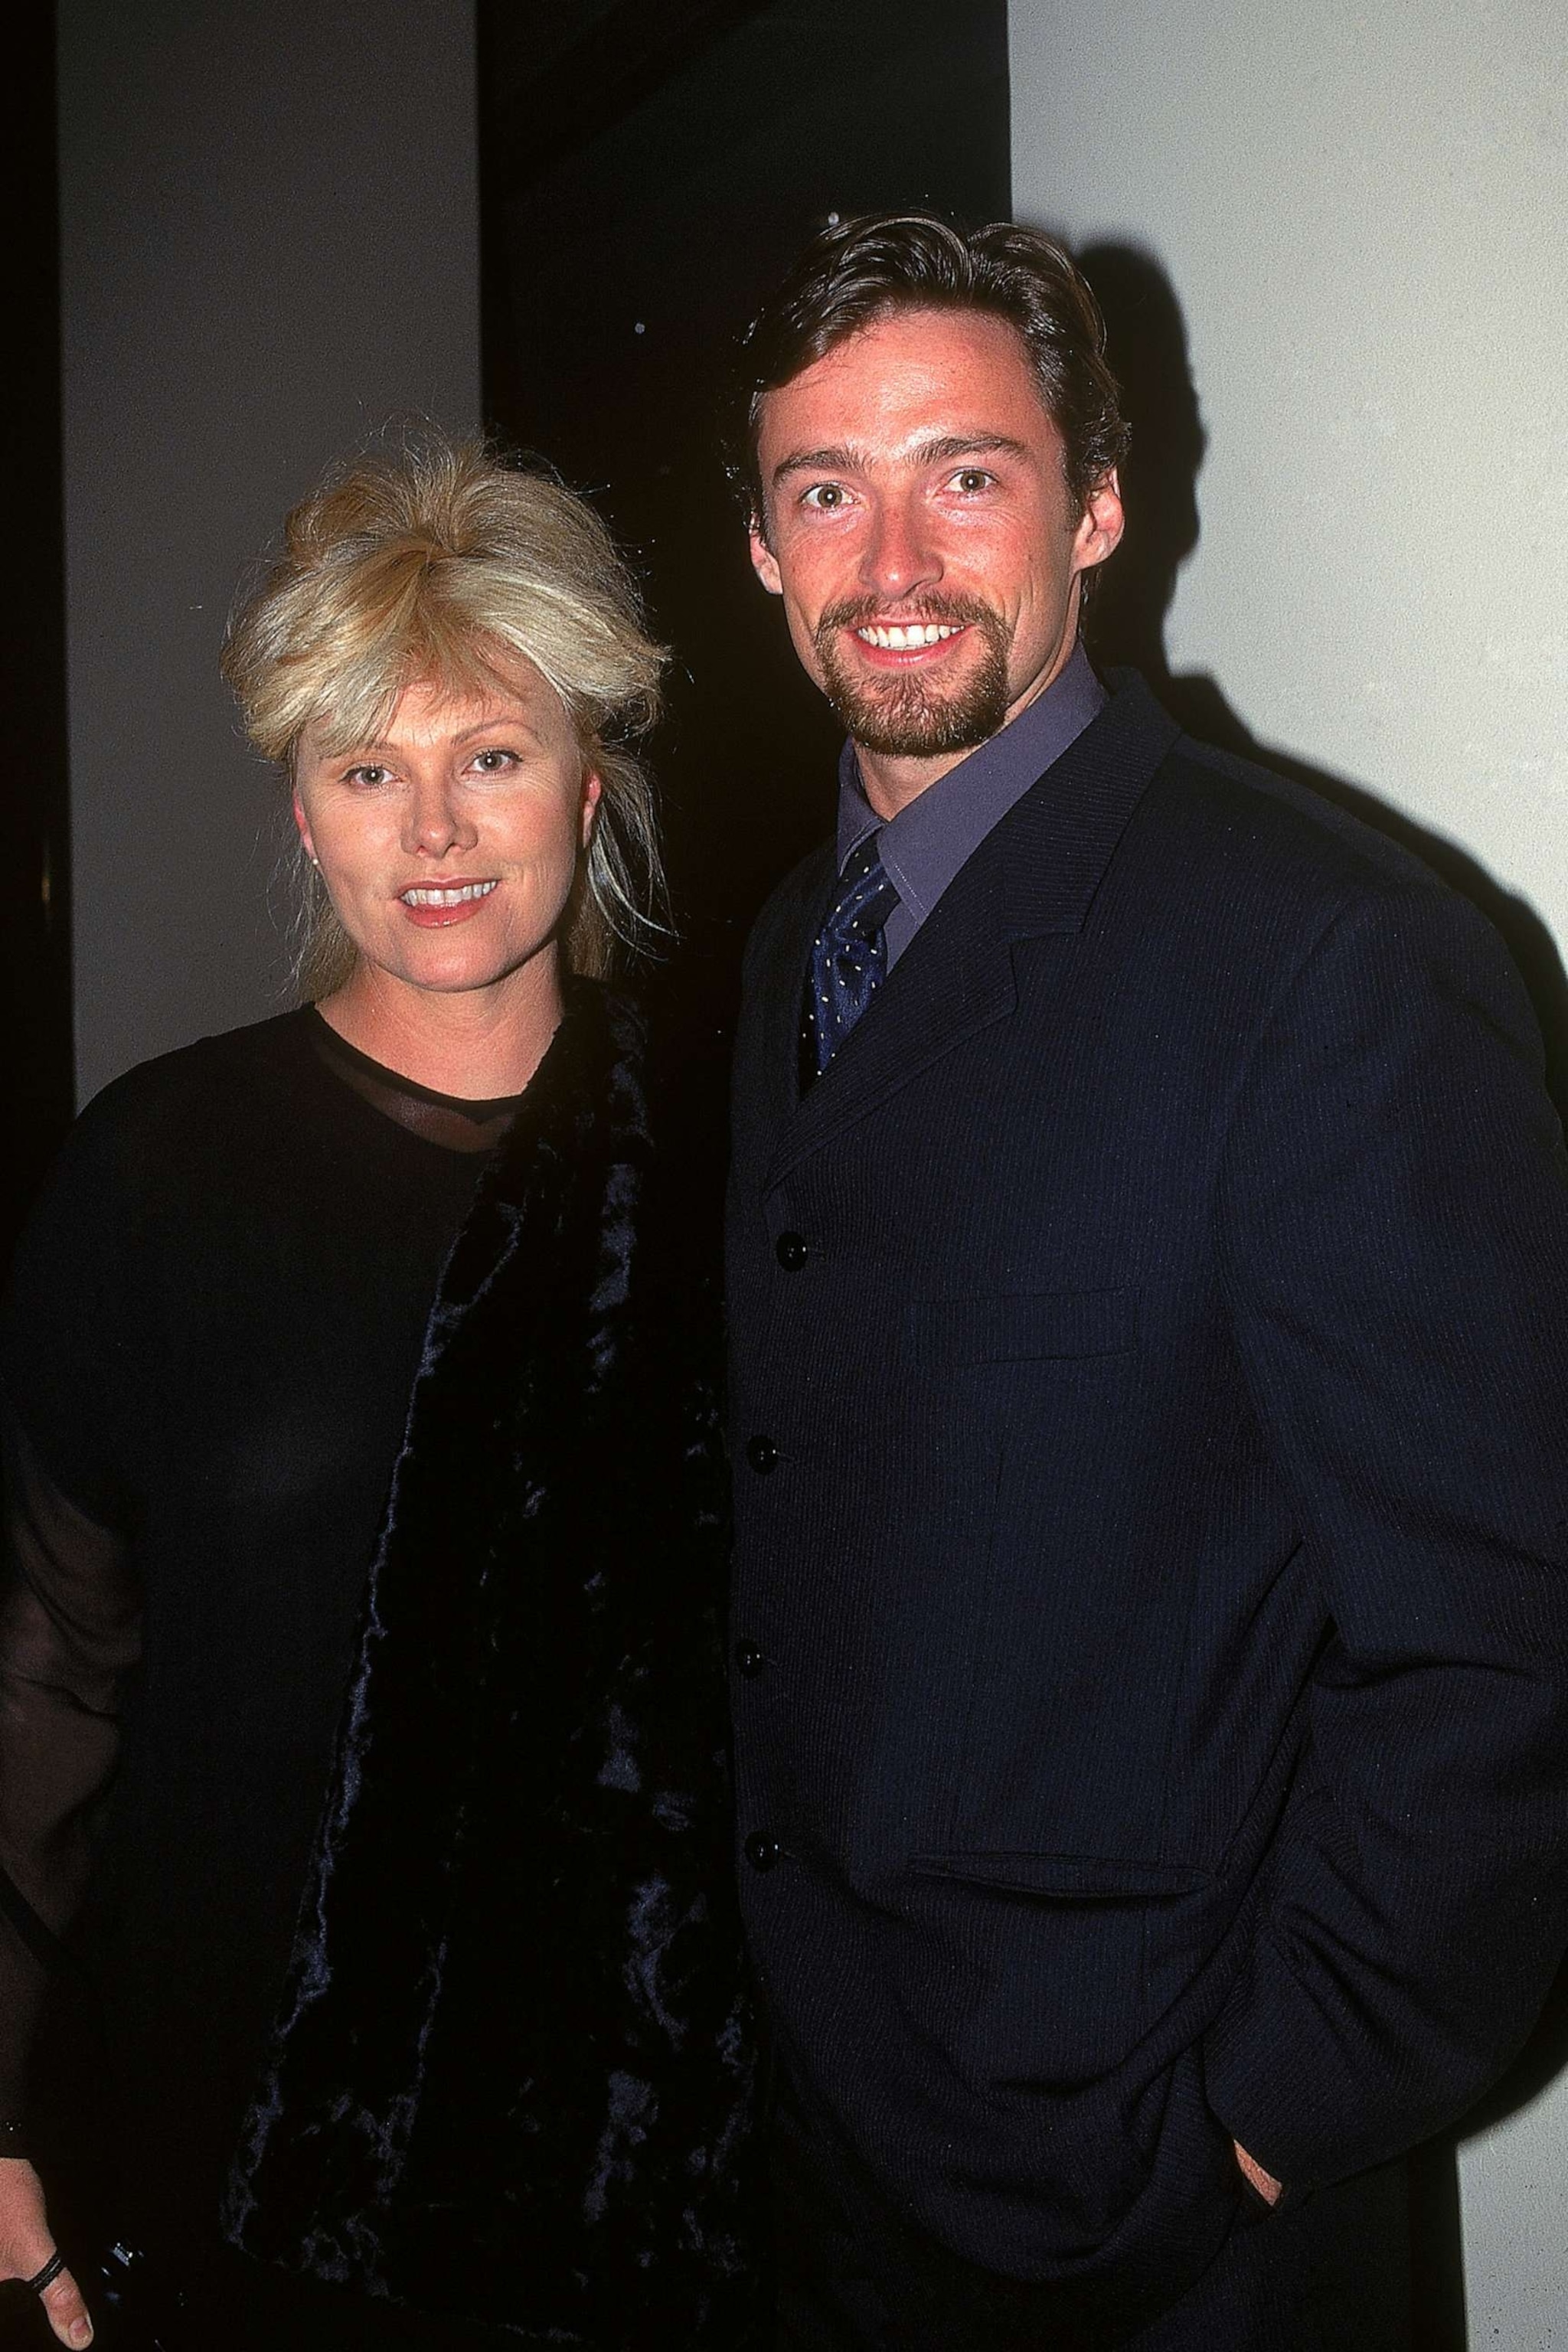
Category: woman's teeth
[898,640]
[459,898]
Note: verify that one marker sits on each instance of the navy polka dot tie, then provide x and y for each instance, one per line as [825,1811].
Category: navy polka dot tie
[849,957]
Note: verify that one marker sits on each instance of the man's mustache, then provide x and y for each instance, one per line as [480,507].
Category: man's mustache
[943,612]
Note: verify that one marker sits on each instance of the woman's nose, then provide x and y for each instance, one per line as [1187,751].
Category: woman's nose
[435,823]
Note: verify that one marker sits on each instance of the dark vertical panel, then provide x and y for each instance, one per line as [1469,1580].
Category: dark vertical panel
[34,874]
[645,175]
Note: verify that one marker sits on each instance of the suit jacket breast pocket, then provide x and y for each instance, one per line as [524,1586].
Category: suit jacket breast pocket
[1026,1326]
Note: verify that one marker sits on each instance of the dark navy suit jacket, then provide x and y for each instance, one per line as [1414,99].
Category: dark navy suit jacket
[1151,1381]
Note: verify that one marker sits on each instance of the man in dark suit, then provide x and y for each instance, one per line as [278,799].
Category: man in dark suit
[1149,1262]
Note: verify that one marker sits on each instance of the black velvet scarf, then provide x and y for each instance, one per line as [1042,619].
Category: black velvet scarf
[511,2074]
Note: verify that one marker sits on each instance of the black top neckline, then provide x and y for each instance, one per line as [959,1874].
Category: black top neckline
[455,1122]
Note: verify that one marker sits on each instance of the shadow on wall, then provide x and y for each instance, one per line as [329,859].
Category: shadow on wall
[1126,620]
[1126,623]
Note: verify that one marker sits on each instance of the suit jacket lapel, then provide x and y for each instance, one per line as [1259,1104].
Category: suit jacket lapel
[1036,873]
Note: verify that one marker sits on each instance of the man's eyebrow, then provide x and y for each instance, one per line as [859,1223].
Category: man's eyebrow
[817,461]
[946,449]
[968,445]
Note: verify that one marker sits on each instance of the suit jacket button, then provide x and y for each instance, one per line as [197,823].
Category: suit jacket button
[762,1850]
[748,1658]
[791,1252]
[763,1454]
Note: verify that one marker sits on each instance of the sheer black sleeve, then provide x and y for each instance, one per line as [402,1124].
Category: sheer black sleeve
[70,1619]
[68,1615]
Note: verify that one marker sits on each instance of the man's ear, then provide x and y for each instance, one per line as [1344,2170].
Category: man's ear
[1102,523]
[764,562]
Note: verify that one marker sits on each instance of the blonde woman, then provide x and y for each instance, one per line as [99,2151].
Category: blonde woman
[361,1732]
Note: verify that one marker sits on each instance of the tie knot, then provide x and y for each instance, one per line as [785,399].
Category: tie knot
[866,897]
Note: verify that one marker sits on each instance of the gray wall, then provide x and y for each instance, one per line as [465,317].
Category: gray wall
[269,247]
[1361,209]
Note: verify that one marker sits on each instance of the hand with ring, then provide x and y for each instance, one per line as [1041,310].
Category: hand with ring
[28,2252]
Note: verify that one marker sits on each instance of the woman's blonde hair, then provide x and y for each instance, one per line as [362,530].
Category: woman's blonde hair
[442,562]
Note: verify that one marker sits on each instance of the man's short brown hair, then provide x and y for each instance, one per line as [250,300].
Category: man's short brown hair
[863,270]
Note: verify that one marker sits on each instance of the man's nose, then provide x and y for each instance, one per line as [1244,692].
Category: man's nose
[899,557]
[434,822]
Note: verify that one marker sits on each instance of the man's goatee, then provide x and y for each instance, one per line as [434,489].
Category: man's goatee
[907,717]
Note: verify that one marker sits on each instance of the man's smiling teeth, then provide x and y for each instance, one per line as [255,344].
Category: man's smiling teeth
[915,633]
[459,898]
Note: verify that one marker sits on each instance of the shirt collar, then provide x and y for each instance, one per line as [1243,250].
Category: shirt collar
[924,848]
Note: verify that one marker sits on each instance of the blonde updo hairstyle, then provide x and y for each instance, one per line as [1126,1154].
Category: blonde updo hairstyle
[442,563]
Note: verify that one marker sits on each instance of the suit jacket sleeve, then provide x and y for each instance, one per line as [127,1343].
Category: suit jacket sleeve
[1394,1238]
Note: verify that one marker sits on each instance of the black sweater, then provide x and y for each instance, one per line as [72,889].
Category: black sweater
[213,1328]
